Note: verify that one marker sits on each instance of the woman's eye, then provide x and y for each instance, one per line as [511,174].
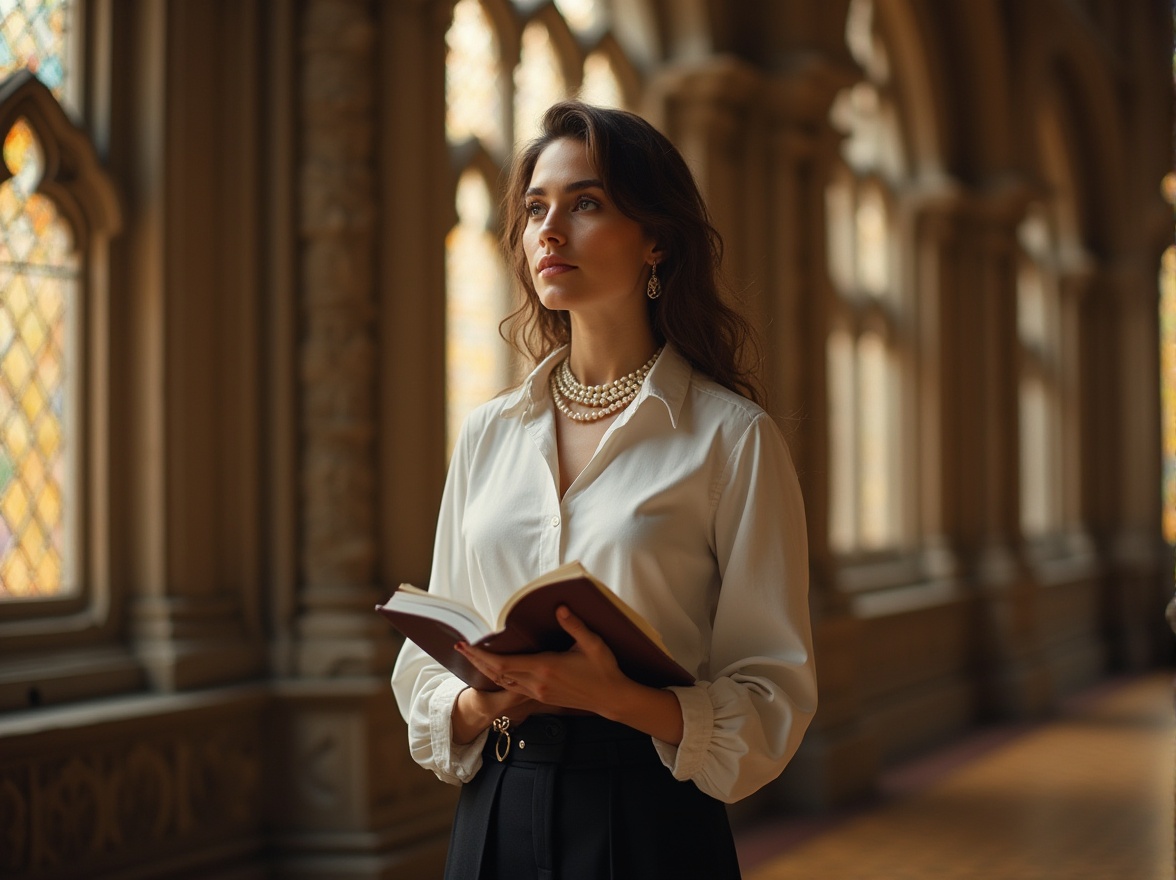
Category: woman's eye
[534,209]
[586,204]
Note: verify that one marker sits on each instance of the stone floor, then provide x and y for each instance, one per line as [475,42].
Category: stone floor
[1087,796]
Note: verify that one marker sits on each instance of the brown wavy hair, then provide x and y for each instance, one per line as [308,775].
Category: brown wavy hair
[648,180]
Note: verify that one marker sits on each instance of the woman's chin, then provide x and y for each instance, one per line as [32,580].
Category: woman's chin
[556,300]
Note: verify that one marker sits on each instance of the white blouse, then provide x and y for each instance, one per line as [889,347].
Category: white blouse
[691,511]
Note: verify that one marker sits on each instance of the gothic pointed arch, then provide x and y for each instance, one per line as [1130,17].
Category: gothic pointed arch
[622,66]
[507,62]
[1092,121]
[72,177]
[566,46]
[918,83]
[474,156]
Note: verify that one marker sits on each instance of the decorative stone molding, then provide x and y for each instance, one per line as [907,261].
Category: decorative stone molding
[176,787]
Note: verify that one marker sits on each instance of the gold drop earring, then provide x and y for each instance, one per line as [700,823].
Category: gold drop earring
[653,289]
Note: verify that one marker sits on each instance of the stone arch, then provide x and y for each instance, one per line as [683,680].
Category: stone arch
[567,48]
[1055,168]
[1088,114]
[473,156]
[971,61]
[918,78]
[73,177]
[627,74]
[641,35]
[504,18]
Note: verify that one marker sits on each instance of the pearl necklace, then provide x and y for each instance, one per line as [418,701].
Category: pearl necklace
[601,400]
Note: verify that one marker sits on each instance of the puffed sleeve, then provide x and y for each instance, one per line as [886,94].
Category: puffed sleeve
[742,726]
[425,691]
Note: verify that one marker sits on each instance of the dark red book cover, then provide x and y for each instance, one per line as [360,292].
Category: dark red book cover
[530,626]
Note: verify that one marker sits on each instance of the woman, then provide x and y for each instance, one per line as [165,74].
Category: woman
[670,484]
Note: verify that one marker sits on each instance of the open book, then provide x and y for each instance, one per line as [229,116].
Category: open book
[527,625]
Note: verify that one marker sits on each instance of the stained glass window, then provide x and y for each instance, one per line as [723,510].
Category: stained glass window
[473,107]
[1168,372]
[38,274]
[478,364]
[1168,360]
[34,34]
[37,282]
[539,80]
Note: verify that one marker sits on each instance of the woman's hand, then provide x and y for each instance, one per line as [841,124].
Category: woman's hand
[585,677]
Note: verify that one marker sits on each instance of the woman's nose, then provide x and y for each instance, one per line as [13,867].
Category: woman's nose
[552,229]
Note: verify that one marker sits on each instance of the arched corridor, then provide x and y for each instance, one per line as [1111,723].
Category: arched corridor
[250,283]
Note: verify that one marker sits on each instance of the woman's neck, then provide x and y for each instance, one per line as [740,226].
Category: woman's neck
[599,358]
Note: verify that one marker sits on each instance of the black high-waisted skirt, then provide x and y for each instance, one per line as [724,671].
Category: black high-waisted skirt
[582,798]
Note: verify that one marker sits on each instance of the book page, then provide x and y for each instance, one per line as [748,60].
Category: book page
[452,614]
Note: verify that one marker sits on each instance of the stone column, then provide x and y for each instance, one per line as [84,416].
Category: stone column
[189,282]
[1136,584]
[707,110]
[337,632]
[1013,679]
[347,799]
[930,220]
[838,761]
[739,128]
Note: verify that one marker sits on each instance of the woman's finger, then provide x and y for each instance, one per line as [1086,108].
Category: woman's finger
[490,665]
[585,638]
[481,662]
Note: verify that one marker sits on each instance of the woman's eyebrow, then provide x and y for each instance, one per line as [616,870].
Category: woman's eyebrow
[571,187]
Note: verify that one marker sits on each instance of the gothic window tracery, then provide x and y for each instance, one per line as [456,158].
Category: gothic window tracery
[866,348]
[493,102]
[1052,266]
[1040,405]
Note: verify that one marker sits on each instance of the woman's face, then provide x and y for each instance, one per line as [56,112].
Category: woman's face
[585,256]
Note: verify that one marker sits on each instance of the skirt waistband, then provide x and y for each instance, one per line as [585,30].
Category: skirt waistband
[572,741]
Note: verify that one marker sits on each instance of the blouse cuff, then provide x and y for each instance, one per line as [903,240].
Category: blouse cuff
[698,720]
[462,760]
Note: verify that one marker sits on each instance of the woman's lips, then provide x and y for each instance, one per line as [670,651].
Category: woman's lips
[550,265]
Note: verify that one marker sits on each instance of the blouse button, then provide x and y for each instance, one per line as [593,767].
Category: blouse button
[555,521]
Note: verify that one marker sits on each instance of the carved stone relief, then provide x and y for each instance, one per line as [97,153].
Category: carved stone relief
[128,801]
